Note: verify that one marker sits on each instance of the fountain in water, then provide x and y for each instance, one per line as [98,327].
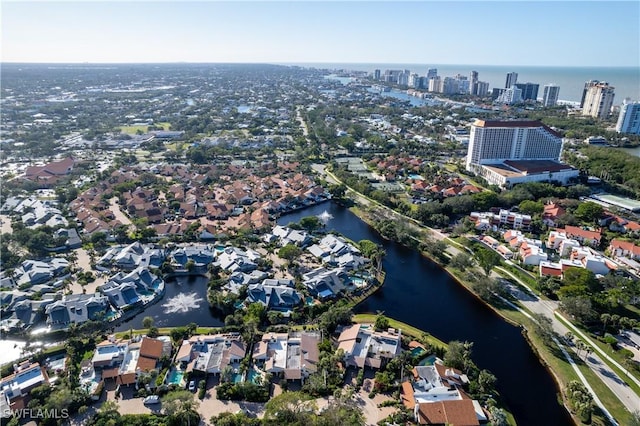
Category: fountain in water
[182,303]
[325,217]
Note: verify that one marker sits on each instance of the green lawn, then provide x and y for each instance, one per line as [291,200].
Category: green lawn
[406,328]
[132,130]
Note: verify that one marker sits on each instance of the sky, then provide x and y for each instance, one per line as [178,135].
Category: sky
[546,33]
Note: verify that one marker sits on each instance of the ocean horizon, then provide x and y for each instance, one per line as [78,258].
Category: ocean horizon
[626,80]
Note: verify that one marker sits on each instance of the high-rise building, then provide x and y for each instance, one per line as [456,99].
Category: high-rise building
[403,78]
[629,119]
[512,95]
[414,80]
[482,88]
[598,100]
[529,91]
[587,84]
[376,74]
[550,96]
[436,84]
[432,73]
[473,83]
[499,140]
[510,152]
[512,78]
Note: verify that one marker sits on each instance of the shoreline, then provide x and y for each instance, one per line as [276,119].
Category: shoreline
[460,281]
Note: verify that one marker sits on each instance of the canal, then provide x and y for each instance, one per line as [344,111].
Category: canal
[418,292]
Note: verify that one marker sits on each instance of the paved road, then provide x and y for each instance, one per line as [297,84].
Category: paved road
[115,208]
[609,377]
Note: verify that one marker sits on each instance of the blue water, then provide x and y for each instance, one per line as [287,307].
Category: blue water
[626,80]
[175,377]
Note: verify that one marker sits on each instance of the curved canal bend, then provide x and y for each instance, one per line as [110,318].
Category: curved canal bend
[418,292]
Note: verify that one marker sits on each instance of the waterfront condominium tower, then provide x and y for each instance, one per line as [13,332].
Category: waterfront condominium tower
[629,119]
[550,96]
[598,98]
[512,79]
[473,83]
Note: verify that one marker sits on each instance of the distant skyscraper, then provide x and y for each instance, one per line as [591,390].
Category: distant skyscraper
[436,85]
[482,88]
[473,83]
[529,91]
[376,75]
[512,95]
[629,119]
[550,97]
[598,100]
[512,78]
[432,73]
[588,84]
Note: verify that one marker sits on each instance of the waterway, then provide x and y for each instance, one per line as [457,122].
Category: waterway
[418,292]
[184,301]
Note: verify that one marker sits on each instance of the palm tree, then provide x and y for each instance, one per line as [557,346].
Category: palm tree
[605,318]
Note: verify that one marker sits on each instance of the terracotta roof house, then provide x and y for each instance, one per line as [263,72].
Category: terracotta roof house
[619,248]
[584,236]
[50,173]
[552,212]
[451,413]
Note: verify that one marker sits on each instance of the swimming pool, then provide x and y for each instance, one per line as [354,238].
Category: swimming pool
[430,360]
[175,377]
[417,351]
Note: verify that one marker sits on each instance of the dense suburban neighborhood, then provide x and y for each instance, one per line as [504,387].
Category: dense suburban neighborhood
[119,221]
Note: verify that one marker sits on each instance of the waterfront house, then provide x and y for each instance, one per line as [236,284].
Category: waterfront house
[234,259]
[77,308]
[324,283]
[291,356]
[365,347]
[274,295]
[435,394]
[15,388]
[210,354]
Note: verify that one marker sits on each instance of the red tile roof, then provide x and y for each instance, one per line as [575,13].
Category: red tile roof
[454,413]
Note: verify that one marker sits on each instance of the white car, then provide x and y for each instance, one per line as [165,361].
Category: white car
[151,399]
[192,385]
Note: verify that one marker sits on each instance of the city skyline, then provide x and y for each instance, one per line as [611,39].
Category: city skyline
[315,32]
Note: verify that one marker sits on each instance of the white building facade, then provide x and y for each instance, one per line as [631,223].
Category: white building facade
[629,119]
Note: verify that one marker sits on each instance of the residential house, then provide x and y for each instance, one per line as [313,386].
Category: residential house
[531,254]
[274,295]
[324,283]
[336,251]
[285,235]
[234,259]
[558,240]
[552,212]
[32,272]
[77,308]
[365,347]
[293,356]
[619,248]
[584,236]
[15,388]
[551,269]
[210,354]
[592,260]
